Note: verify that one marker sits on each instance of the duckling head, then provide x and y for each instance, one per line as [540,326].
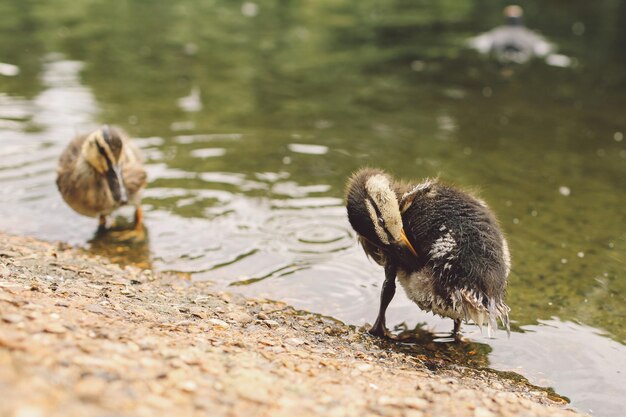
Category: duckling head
[513,15]
[103,150]
[374,213]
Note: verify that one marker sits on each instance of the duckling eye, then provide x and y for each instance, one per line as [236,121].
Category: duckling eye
[381,221]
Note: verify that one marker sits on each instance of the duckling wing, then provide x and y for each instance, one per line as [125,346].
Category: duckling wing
[460,238]
[135,177]
[71,154]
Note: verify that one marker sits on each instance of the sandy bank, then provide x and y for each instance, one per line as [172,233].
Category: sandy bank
[81,336]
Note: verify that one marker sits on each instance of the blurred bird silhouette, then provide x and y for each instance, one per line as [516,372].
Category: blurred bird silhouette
[512,43]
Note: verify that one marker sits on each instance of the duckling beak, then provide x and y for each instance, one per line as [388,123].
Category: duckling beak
[116,184]
[405,240]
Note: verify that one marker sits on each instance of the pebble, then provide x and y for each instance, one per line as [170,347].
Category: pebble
[220,324]
[190,359]
[4,271]
[364,367]
[97,309]
[12,318]
[276,349]
[90,387]
[269,307]
[198,312]
[55,328]
[392,401]
[293,341]
[240,317]
[251,384]
[188,386]
[417,403]
[29,411]
[483,412]
[272,324]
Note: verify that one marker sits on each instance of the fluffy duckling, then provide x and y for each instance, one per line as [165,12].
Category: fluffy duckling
[101,171]
[444,246]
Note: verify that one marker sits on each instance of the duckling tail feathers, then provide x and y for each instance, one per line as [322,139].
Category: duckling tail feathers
[500,311]
[473,308]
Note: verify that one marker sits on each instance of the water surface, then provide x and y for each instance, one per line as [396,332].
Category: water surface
[251,116]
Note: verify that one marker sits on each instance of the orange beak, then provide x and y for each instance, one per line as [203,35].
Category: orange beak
[405,240]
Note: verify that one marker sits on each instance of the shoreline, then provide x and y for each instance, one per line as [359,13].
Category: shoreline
[80,335]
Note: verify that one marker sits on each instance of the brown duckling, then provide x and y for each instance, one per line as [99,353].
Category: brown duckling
[444,246]
[101,171]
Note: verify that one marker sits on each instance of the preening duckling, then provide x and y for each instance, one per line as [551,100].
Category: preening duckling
[444,246]
[100,172]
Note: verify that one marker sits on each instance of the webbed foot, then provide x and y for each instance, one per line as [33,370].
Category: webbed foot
[378,330]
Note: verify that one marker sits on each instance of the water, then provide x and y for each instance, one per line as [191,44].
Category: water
[251,117]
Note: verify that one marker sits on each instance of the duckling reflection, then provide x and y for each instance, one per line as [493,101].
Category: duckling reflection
[445,247]
[100,172]
[121,247]
[437,351]
[512,43]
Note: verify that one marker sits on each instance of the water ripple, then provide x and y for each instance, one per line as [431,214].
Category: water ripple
[312,233]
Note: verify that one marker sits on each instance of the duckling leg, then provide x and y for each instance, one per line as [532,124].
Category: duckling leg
[457,327]
[102,223]
[134,235]
[386,295]
[138,218]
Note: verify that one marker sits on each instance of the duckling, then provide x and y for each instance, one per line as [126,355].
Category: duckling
[101,171]
[444,246]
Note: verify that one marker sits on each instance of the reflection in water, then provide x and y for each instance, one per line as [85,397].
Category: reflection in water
[440,349]
[192,102]
[280,104]
[122,244]
[9,70]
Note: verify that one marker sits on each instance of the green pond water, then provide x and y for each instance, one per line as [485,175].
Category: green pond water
[252,115]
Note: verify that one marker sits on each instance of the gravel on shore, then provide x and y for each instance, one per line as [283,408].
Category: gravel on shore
[81,336]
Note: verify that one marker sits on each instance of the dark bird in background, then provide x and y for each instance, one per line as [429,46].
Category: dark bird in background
[444,246]
[512,43]
[100,172]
